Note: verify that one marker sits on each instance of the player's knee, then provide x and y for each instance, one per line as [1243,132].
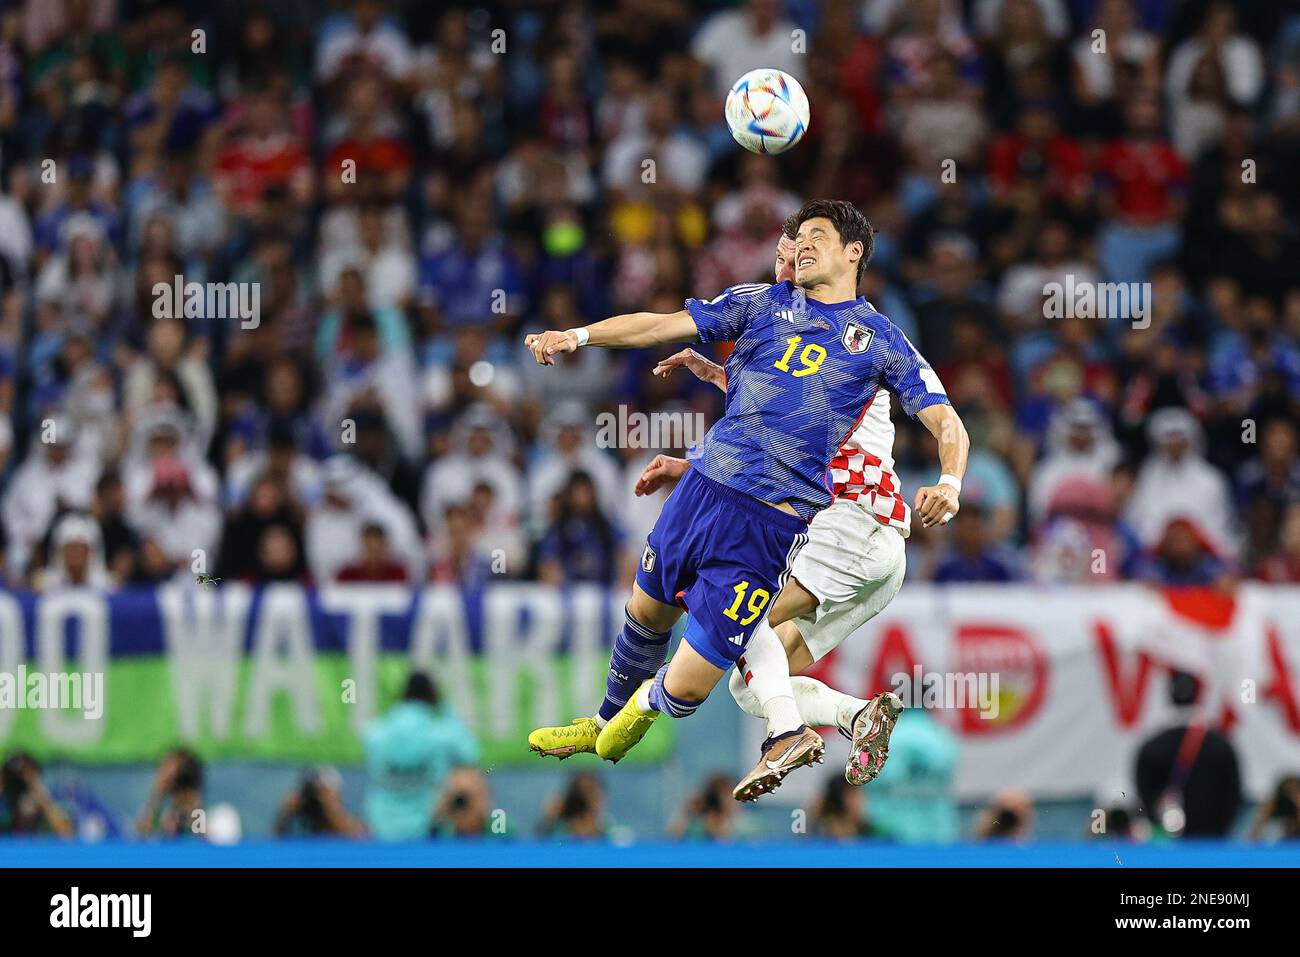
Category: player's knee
[652,614]
[736,685]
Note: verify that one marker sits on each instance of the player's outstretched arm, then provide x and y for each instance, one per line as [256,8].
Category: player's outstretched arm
[663,470]
[634,330]
[937,504]
[700,367]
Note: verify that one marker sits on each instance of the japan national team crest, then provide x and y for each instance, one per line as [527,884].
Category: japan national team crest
[857,337]
[648,560]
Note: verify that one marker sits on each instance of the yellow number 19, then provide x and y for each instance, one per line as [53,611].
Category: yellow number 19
[811,357]
[757,602]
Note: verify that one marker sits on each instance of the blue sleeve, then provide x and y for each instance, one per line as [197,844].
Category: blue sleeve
[910,377]
[725,318]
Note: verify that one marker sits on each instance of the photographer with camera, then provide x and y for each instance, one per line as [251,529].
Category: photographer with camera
[577,812]
[465,809]
[709,814]
[175,804]
[315,807]
[1278,818]
[25,805]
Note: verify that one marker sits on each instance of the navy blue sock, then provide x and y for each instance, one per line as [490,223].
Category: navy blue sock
[668,704]
[637,654]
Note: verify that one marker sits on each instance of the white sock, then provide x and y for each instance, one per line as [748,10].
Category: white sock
[767,673]
[744,697]
[642,698]
[823,706]
[600,722]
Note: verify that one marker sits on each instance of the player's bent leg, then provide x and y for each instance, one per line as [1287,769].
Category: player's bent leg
[797,654]
[639,651]
[790,743]
[746,700]
[677,690]
[795,601]
[868,723]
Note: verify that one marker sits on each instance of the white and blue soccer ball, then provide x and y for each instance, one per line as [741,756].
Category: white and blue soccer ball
[767,111]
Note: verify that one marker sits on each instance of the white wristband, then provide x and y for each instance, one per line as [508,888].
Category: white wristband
[582,335]
[950,480]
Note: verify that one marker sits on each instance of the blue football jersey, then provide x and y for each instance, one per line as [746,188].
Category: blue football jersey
[798,382]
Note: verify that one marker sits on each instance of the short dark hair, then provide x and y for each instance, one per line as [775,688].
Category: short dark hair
[848,221]
[420,687]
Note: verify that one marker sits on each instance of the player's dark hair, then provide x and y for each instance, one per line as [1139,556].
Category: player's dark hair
[848,221]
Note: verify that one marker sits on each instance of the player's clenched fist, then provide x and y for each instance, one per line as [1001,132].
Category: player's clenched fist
[549,343]
[936,504]
[661,470]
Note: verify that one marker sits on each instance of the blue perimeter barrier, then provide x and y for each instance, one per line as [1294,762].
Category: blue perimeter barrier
[511,853]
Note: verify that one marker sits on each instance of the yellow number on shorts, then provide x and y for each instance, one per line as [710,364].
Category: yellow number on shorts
[812,357]
[757,602]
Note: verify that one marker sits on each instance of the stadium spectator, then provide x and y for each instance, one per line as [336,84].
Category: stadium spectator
[841,812]
[26,807]
[1079,447]
[709,814]
[58,473]
[733,42]
[581,544]
[263,541]
[1188,775]
[1183,558]
[1010,816]
[410,750]
[175,806]
[121,545]
[973,556]
[465,807]
[1279,817]
[316,808]
[354,497]
[578,811]
[913,798]
[1283,565]
[76,556]
[1177,482]
[566,447]
[481,452]
[375,563]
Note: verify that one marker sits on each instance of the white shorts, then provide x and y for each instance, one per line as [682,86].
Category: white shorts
[853,565]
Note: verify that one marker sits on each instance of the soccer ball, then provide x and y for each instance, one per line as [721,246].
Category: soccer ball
[767,111]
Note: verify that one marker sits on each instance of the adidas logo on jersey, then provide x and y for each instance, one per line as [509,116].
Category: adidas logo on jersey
[737,639]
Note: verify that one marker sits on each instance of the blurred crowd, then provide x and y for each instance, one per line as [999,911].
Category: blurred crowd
[423,781]
[411,187]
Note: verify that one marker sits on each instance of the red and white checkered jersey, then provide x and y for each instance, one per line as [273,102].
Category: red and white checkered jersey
[862,470]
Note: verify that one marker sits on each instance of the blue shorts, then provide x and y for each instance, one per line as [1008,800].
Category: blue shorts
[723,556]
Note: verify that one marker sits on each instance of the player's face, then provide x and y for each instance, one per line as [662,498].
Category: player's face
[820,256]
[784,268]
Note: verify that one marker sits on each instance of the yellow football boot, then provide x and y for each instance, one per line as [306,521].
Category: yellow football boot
[625,729]
[566,740]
